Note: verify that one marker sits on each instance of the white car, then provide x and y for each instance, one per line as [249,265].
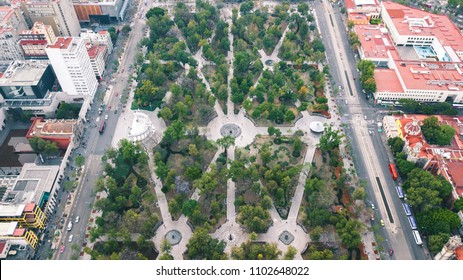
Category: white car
[77,219]
[372,206]
[70,238]
[106,117]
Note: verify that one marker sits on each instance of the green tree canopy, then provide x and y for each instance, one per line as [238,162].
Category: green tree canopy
[202,246]
[438,220]
[44,147]
[437,134]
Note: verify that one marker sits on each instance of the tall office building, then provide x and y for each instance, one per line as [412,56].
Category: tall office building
[72,66]
[60,14]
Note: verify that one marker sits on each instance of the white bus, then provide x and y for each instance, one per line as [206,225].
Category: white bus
[407,209]
[417,237]
[412,222]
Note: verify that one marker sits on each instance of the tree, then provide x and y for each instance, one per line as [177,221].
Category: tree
[348,230]
[315,254]
[396,144]
[126,29]
[79,160]
[256,251]
[67,111]
[45,147]
[458,204]
[424,191]
[297,147]
[437,134]
[316,233]
[226,142]
[405,167]
[202,246]
[438,220]
[246,7]
[330,140]
[370,85]
[359,193]
[254,218]
[437,241]
[290,254]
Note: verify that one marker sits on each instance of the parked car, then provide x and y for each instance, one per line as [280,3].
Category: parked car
[372,206]
[61,249]
[77,219]
[381,222]
[70,238]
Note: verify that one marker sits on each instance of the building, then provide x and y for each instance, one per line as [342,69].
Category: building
[415,27]
[71,63]
[102,12]
[34,41]
[62,132]
[375,43]
[25,79]
[418,54]
[97,59]
[12,17]
[28,197]
[453,249]
[9,48]
[440,160]
[60,14]
[12,233]
[101,37]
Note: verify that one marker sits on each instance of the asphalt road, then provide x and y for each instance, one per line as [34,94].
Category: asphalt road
[97,143]
[370,155]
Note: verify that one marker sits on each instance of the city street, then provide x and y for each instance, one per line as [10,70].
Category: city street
[369,156]
[97,143]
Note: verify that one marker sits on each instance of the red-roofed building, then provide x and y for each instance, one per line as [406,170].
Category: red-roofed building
[375,43]
[440,160]
[59,131]
[413,27]
[423,52]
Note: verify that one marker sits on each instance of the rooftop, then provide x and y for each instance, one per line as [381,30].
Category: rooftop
[51,128]
[414,22]
[8,229]
[5,13]
[92,51]
[387,81]
[11,210]
[375,41]
[24,73]
[61,43]
[30,186]
[436,76]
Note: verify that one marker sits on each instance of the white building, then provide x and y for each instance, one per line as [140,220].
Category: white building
[60,14]
[72,66]
[12,17]
[100,38]
[425,64]
[9,47]
[97,59]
